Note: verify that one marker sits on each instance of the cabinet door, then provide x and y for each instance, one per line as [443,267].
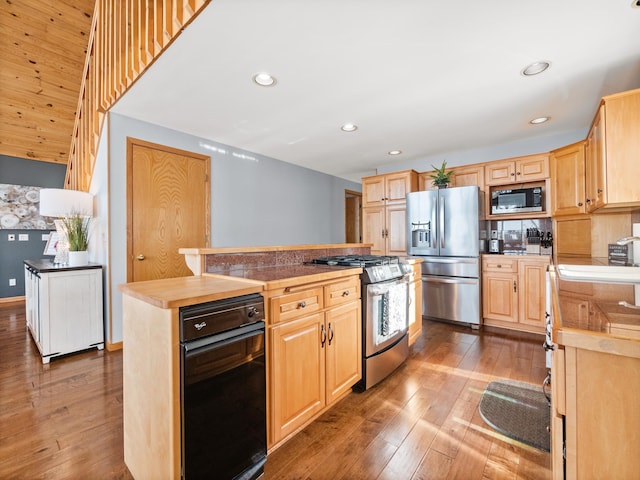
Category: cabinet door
[500,173]
[297,368]
[568,180]
[343,349]
[373,191]
[595,164]
[373,226]
[396,230]
[397,185]
[500,300]
[469,175]
[532,286]
[621,120]
[415,310]
[532,168]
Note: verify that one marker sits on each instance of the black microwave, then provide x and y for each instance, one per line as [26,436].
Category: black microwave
[521,200]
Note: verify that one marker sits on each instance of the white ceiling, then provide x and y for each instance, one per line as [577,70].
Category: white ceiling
[423,76]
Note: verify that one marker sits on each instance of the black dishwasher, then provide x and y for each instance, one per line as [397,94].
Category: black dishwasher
[223,389]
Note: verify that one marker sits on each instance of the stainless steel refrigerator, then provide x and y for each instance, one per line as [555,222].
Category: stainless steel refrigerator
[444,228]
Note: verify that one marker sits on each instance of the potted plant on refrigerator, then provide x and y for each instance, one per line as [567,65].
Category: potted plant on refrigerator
[76,227]
[441,178]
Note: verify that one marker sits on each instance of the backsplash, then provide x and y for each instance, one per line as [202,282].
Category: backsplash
[514,233]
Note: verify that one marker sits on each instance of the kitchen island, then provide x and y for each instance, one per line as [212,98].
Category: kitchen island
[301,302]
[595,374]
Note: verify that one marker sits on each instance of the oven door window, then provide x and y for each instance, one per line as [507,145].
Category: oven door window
[388,312]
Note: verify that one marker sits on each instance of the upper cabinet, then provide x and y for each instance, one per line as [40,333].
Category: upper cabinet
[567,165]
[517,170]
[390,188]
[462,177]
[613,153]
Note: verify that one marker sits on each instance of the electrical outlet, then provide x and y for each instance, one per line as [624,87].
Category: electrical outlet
[23,237]
[12,282]
[11,237]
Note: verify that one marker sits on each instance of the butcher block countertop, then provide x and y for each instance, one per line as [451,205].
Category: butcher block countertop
[181,291]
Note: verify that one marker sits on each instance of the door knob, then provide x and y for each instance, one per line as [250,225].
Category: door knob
[140,257]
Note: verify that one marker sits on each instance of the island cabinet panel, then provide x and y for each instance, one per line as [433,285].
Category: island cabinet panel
[343,350]
[297,373]
[314,358]
[415,303]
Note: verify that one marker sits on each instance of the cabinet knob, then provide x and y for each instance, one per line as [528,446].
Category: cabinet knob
[302,304]
[580,204]
[140,257]
[588,200]
[345,293]
[513,174]
[599,190]
[518,173]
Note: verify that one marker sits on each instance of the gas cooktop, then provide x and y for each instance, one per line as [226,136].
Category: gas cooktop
[356,260]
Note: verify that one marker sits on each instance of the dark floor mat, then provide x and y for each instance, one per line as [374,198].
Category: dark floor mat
[517,410]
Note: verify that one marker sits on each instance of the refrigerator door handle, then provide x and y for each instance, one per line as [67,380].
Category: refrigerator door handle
[442,232]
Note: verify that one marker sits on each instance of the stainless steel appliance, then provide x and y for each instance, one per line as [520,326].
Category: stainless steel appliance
[223,389]
[385,309]
[521,200]
[444,228]
[496,245]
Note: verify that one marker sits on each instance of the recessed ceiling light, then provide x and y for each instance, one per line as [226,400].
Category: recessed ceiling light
[535,68]
[635,4]
[538,120]
[349,127]
[394,152]
[264,79]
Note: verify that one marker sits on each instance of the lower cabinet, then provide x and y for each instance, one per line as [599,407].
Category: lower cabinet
[415,303]
[314,359]
[514,292]
[63,308]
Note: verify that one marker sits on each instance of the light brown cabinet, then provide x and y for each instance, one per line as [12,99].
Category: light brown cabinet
[384,211]
[567,165]
[415,303]
[612,152]
[315,355]
[380,190]
[462,176]
[514,292]
[529,168]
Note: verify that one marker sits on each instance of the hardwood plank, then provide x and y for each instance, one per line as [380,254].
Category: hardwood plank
[64,420]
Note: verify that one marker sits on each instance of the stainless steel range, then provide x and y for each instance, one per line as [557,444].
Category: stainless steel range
[385,308]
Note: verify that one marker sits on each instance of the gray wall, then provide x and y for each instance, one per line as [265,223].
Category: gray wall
[255,200]
[18,171]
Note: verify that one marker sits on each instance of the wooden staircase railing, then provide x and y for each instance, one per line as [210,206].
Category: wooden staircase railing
[126,37]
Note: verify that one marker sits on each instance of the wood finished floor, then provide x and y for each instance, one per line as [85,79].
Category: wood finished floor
[64,420]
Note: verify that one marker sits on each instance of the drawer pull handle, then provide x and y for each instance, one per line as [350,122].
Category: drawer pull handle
[345,293]
[302,304]
[200,326]
[499,266]
[330,334]
[323,335]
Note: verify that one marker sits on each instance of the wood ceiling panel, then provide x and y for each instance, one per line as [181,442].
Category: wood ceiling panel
[43,53]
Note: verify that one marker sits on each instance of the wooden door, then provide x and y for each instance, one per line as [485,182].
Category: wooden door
[373,225]
[343,350]
[567,177]
[468,176]
[167,209]
[297,374]
[396,230]
[352,217]
[397,186]
[373,191]
[499,173]
[596,179]
[500,301]
[532,292]
[532,168]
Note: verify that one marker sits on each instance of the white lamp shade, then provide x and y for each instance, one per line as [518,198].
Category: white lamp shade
[58,202]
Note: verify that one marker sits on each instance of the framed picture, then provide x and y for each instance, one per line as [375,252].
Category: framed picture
[51,248]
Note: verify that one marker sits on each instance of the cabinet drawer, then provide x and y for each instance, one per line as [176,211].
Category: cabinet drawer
[294,305]
[500,264]
[342,292]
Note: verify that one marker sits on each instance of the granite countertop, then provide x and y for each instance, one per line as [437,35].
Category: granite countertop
[593,307]
[45,265]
